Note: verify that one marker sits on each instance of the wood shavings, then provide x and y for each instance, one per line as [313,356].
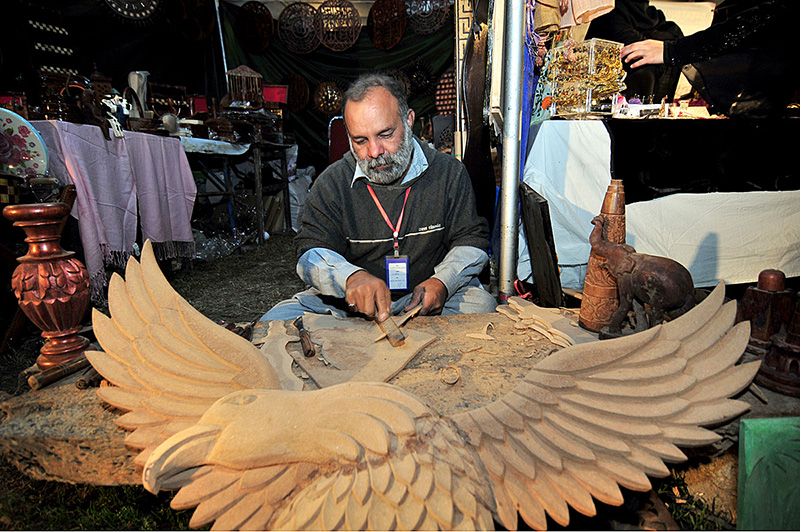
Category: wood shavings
[470,350]
[509,314]
[527,316]
[483,335]
[450,375]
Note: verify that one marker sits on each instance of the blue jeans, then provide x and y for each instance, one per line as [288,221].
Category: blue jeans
[471,299]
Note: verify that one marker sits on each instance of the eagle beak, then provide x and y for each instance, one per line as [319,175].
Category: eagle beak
[184,451]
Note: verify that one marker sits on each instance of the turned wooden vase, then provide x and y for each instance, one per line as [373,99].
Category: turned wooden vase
[51,285]
[600,299]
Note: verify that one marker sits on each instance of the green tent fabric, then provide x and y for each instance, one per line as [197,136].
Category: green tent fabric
[309,125]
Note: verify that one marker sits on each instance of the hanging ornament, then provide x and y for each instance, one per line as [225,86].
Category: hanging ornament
[400,76]
[199,19]
[328,98]
[446,93]
[338,24]
[139,11]
[419,75]
[253,27]
[427,16]
[387,23]
[297,28]
[298,91]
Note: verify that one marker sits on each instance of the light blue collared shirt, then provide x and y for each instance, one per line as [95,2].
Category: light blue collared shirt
[328,271]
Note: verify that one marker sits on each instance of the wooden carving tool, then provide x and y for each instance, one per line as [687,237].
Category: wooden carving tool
[392,331]
[399,323]
[49,376]
[391,328]
[305,340]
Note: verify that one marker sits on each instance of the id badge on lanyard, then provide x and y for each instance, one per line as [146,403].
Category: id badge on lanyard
[397,272]
[396,265]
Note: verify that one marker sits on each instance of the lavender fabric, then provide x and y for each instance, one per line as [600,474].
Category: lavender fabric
[113,178]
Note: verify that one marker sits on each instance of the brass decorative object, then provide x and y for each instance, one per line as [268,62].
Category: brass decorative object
[387,23]
[245,86]
[297,28]
[427,16]
[197,19]
[600,300]
[400,76]
[254,26]
[338,24]
[446,93]
[298,92]
[139,11]
[768,308]
[208,412]
[51,285]
[586,77]
[780,370]
[328,98]
[420,77]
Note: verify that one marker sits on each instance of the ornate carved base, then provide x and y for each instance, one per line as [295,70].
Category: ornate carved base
[51,285]
[780,369]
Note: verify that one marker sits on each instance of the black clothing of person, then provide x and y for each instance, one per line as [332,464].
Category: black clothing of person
[632,21]
[746,64]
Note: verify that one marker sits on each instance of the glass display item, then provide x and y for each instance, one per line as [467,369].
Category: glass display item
[587,78]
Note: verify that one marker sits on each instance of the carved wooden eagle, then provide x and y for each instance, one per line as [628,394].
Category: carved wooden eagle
[206,408]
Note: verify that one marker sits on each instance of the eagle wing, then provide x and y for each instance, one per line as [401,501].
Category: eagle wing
[353,456]
[168,362]
[596,416]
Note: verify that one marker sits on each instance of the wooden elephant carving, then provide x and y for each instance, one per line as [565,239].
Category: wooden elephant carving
[655,287]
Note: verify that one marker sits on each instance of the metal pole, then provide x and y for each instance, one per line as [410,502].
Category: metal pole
[513,69]
[222,47]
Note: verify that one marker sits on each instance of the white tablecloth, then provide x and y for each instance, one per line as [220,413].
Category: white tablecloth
[717,236]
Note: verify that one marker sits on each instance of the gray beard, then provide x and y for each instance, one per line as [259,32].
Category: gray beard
[398,162]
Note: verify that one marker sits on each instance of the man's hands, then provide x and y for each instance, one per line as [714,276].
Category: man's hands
[431,293]
[368,295]
[649,52]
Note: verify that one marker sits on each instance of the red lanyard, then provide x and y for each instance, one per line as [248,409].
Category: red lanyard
[395,230]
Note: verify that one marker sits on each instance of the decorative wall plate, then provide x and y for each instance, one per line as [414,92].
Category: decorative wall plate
[297,28]
[22,150]
[427,16]
[400,76]
[338,24]
[298,91]
[420,76]
[254,26]
[328,98]
[133,9]
[387,23]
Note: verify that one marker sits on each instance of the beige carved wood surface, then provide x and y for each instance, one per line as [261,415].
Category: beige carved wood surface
[347,351]
[209,413]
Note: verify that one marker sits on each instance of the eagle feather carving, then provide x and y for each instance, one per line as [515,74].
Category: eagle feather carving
[206,409]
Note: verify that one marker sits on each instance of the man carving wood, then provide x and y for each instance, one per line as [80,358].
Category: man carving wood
[391,225]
